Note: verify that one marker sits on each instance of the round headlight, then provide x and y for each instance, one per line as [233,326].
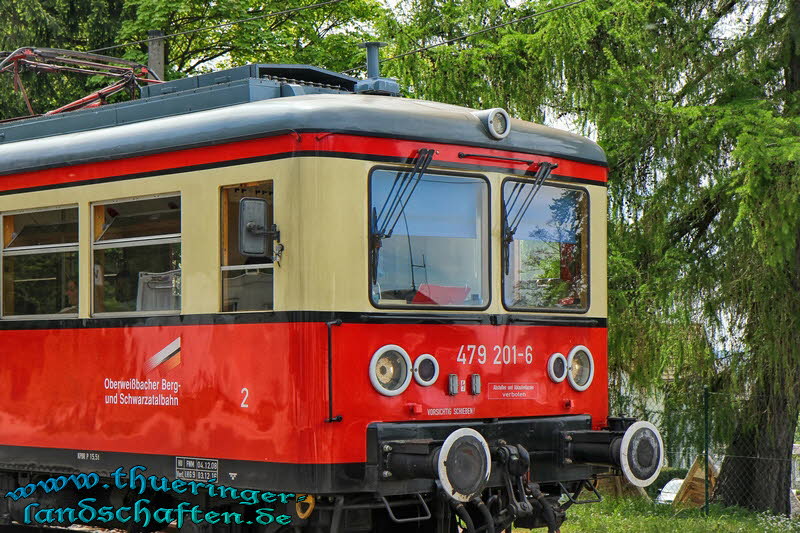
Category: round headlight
[464,464]
[390,370]
[557,367]
[581,368]
[498,122]
[426,370]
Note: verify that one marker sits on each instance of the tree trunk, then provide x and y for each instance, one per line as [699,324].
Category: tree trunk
[792,51]
[757,470]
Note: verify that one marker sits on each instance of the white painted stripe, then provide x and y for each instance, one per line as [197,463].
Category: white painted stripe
[163,355]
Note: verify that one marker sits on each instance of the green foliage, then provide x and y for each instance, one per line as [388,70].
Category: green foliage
[78,25]
[325,36]
[642,516]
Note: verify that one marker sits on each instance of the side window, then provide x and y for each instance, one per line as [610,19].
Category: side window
[247,282]
[40,263]
[137,255]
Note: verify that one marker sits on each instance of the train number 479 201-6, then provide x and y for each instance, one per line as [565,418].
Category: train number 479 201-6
[497,355]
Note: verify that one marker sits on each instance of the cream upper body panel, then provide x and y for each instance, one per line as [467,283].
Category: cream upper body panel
[321,208]
[331,225]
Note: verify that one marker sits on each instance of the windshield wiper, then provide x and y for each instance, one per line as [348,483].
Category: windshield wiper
[511,219]
[383,222]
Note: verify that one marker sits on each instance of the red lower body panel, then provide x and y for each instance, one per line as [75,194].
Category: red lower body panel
[259,391]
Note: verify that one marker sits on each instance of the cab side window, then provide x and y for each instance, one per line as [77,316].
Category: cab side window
[247,281]
[137,255]
[40,263]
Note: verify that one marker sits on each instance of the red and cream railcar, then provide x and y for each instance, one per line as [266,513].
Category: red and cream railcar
[395,306]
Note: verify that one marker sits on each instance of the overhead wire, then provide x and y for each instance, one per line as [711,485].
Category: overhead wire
[479,32]
[223,25]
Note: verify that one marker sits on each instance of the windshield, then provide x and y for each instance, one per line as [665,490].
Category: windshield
[547,254]
[436,254]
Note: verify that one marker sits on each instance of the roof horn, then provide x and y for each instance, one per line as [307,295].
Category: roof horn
[374,84]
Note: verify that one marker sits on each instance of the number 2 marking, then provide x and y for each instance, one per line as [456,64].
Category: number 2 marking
[244,400]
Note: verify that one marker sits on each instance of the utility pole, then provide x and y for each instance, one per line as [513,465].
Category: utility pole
[155,52]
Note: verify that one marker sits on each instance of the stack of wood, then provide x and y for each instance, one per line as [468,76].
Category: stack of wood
[619,487]
[794,505]
[693,489]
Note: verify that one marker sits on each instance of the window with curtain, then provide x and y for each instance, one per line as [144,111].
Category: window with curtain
[137,255]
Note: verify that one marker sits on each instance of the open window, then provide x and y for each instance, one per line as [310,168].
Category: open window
[547,247]
[434,251]
[40,263]
[137,255]
[247,280]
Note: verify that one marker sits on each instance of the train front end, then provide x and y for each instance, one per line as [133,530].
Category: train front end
[479,365]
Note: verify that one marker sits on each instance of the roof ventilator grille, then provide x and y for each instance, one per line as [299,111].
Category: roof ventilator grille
[303,82]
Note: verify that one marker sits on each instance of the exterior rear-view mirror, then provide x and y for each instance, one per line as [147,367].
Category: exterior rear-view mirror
[255,239]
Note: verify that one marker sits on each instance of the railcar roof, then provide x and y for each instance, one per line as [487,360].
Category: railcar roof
[368,115]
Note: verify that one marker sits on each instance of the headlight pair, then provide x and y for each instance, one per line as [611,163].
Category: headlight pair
[578,368]
[390,370]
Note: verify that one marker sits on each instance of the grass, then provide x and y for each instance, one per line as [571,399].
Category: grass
[640,516]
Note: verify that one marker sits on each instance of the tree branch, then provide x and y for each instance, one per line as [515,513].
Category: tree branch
[717,60]
[696,220]
[210,58]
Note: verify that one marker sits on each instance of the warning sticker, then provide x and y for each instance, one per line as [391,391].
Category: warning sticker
[195,469]
[511,391]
